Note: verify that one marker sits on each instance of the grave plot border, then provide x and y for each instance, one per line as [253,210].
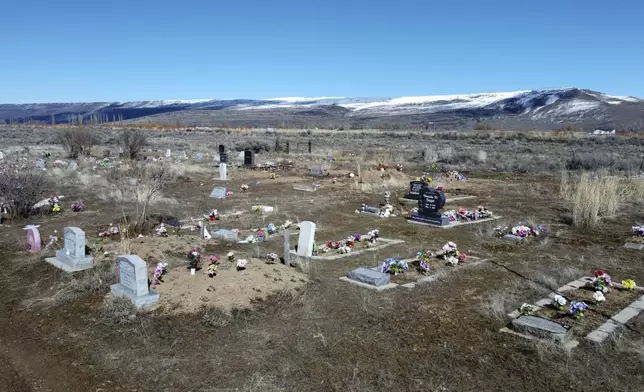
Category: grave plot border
[447,200]
[384,242]
[634,246]
[598,335]
[425,279]
[452,225]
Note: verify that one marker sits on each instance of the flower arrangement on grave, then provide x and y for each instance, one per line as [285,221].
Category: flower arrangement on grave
[386,211]
[344,249]
[357,237]
[229,193]
[638,229]
[451,215]
[161,230]
[598,297]
[53,238]
[272,176]
[577,309]
[78,207]
[559,302]
[159,271]
[424,255]
[286,224]
[244,188]
[602,281]
[111,231]
[453,174]
[394,267]
[526,309]
[440,188]
[231,257]
[256,209]
[423,267]
[194,257]
[272,257]
[271,229]
[212,216]
[451,254]
[628,284]
[241,264]
[56,208]
[213,265]
[260,235]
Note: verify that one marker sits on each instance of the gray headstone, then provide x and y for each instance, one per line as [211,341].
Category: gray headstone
[168,153]
[73,165]
[218,192]
[224,234]
[40,164]
[541,328]
[199,156]
[287,247]
[512,237]
[306,240]
[223,172]
[133,281]
[249,158]
[632,245]
[72,257]
[316,171]
[369,276]
[304,187]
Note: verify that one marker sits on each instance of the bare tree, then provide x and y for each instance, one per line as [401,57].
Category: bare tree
[77,142]
[140,183]
[132,142]
[20,191]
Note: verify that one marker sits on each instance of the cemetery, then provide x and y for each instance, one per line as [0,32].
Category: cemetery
[210,248]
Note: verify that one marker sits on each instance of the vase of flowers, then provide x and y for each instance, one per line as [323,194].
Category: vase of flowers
[394,267]
[577,309]
[272,258]
[213,265]
[526,309]
[601,281]
[194,258]
[231,257]
[559,302]
[78,207]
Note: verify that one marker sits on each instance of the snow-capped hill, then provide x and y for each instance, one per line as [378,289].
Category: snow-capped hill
[535,108]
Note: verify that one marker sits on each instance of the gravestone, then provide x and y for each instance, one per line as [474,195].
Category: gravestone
[40,163]
[1,155]
[429,205]
[73,165]
[133,281]
[199,156]
[316,171]
[512,237]
[306,240]
[33,238]
[310,149]
[369,209]
[288,147]
[414,190]
[224,234]
[72,258]
[304,187]
[218,192]
[249,158]
[204,231]
[168,153]
[541,328]
[287,247]
[223,157]
[223,172]
[369,276]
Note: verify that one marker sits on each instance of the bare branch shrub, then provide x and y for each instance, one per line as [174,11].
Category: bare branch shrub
[77,142]
[117,310]
[132,141]
[139,183]
[20,191]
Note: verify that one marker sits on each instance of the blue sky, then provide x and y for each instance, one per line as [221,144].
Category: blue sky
[60,51]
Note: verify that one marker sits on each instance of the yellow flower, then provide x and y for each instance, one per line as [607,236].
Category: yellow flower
[428,179]
[628,284]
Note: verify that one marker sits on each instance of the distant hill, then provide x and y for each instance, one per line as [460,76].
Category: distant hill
[532,109]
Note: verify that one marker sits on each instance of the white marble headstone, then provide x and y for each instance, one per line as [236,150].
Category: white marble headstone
[223,172]
[133,274]
[306,240]
[75,242]
[168,153]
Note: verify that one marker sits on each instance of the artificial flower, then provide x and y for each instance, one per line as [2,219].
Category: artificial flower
[393,266]
[559,302]
[526,308]
[577,309]
[628,284]
[599,296]
[241,264]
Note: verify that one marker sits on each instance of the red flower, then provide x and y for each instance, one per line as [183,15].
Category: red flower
[462,257]
[351,244]
[329,244]
[598,272]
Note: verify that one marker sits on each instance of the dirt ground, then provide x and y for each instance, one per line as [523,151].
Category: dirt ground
[303,329]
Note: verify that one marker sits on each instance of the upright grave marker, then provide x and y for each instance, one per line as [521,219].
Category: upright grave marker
[33,238]
[414,190]
[310,149]
[72,258]
[223,172]
[316,171]
[223,157]
[168,153]
[249,158]
[287,247]
[133,281]
[429,204]
[306,240]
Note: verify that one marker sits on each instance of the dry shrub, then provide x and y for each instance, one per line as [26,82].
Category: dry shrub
[117,310]
[20,191]
[77,142]
[594,195]
[132,141]
[215,317]
[96,280]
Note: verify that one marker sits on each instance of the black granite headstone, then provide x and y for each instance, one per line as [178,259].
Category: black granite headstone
[414,190]
[249,158]
[310,147]
[288,146]
[223,156]
[429,204]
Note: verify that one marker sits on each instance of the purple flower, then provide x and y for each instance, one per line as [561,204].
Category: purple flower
[424,267]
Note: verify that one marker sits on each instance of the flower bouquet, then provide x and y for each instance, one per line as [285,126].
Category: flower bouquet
[526,309]
[598,297]
[577,309]
[194,257]
[162,231]
[451,254]
[344,249]
[241,264]
[78,207]
[244,188]
[56,209]
[628,284]
[212,216]
[424,255]
[602,281]
[271,228]
[260,235]
[559,302]
[159,271]
[272,258]
[231,257]
[423,267]
[286,224]
[394,267]
[638,229]
[213,266]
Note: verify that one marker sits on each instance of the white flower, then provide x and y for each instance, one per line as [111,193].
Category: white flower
[230,254]
[558,301]
[605,290]
[241,263]
[452,260]
[599,296]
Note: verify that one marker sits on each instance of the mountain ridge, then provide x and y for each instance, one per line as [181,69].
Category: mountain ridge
[538,108]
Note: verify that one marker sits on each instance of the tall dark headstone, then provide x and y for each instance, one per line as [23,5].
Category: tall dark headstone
[249,158]
[414,190]
[288,147]
[310,147]
[223,156]
[430,203]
